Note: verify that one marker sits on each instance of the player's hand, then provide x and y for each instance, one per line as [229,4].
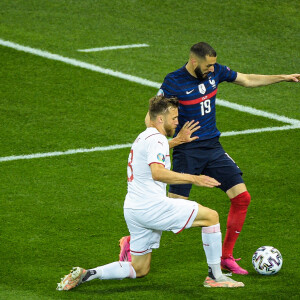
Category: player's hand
[293,77]
[184,135]
[206,181]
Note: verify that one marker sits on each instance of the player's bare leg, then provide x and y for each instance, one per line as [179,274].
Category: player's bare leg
[240,199]
[236,217]
[236,190]
[141,264]
[208,219]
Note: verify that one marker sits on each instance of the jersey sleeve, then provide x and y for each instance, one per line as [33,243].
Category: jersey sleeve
[225,73]
[157,150]
[168,87]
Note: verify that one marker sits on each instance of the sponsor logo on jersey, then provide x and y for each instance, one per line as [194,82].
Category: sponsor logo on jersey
[160,92]
[188,92]
[202,88]
[161,157]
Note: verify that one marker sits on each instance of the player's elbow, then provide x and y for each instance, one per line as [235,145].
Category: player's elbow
[158,172]
[251,80]
[156,175]
[243,80]
[248,84]
[245,83]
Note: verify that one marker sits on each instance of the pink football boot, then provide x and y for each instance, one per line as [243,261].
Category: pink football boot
[125,249]
[229,264]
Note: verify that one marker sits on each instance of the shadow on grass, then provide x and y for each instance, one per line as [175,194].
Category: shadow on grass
[146,288]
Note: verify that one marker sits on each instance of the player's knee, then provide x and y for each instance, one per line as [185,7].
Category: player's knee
[213,217]
[242,199]
[206,217]
[141,270]
[246,198]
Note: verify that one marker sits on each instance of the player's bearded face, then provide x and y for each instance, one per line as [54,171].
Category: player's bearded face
[169,129]
[199,73]
[205,66]
[171,122]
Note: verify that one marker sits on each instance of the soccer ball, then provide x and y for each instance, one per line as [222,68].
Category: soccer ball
[267,260]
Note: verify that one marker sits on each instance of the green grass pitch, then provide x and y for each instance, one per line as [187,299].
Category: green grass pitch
[65,211]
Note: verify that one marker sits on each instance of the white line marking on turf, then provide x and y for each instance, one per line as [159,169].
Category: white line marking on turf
[78,63]
[258,130]
[113,48]
[257,112]
[121,146]
[139,80]
[293,122]
[68,152]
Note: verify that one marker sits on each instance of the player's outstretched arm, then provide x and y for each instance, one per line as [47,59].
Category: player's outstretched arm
[184,135]
[256,80]
[160,173]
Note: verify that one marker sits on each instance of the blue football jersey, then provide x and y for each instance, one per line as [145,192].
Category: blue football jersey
[197,97]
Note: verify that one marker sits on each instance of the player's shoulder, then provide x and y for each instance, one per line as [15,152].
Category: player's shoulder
[151,135]
[221,68]
[177,75]
[218,67]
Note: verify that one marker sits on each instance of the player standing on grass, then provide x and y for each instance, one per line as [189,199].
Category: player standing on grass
[196,86]
[148,211]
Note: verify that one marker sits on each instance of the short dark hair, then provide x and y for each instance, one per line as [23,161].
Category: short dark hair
[203,49]
[160,104]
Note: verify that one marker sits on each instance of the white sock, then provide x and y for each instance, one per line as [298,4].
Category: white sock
[115,270]
[212,244]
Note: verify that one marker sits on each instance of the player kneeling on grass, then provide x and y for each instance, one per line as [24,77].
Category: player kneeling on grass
[148,211]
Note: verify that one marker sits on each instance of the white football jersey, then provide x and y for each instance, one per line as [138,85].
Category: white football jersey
[143,191]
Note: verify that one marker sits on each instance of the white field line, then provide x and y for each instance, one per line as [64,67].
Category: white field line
[293,122]
[68,152]
[257,112]
[113,48]
[78,63]
[258,130]
[139,80]
[121,146]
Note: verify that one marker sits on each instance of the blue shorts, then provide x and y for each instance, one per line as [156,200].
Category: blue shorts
[206,158]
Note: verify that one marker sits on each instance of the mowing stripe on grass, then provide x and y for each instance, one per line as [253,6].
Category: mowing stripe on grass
[293,122]
[113,48]
[77,63]
[114,147]
[139,80]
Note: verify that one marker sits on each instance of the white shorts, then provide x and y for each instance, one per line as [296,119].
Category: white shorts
[146,226]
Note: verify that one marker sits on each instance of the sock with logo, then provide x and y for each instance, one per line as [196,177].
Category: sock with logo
[235,222]
[115,270]
[212,244]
